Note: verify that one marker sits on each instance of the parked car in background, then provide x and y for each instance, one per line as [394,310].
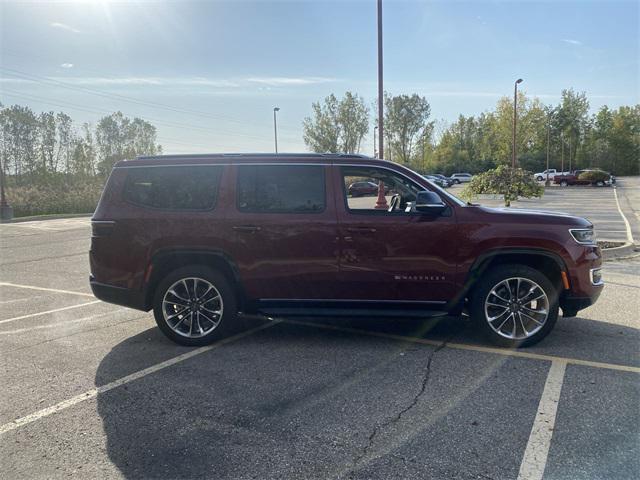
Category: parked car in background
[438,181]
[199,238]
[552,172]
[444,178]
[461,177]
[360,189]
[598,178]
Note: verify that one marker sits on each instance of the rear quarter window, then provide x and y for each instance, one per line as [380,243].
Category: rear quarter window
[281,189]
[173,188]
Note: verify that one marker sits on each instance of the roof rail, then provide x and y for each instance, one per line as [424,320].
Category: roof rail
[252,155]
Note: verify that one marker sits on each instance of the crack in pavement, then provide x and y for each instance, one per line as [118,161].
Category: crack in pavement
[425,380]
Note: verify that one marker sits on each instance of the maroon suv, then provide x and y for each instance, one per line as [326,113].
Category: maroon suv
[200,238]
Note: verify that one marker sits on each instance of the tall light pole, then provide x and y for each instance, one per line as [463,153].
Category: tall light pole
[515,120]
[380,86]
[562,150]
[547,182]
[275,126]
[375,129]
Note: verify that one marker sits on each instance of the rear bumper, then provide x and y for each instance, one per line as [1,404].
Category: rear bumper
[118,295]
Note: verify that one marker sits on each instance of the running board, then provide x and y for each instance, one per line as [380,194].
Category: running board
[351,312]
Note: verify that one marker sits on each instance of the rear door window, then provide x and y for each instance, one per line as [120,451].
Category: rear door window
[281,188]
[173,188]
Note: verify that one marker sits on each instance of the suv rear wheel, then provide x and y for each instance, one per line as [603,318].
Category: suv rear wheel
[195,306]
[515,305]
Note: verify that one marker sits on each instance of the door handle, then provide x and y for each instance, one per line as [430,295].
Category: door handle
[246,228]
[361,230]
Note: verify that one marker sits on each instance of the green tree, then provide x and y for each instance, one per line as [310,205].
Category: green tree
[119,138]
[405,125]
[572,119]
[64,125]
[48,141]
[506,181]
[336,125]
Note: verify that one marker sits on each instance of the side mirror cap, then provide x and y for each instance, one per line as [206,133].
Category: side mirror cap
[429,202]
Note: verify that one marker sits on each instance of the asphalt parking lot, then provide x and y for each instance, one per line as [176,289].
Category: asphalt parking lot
[598,204]
[91,390]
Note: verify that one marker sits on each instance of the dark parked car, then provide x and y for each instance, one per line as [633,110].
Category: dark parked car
[598,178]
[200,238]
[444,178]
[441,182]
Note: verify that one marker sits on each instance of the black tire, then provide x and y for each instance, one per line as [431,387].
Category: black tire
[227,321]
[456,181]
[563,183]
[540,179]
[494,277]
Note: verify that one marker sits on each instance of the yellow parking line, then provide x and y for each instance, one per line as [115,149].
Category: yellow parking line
[474,348]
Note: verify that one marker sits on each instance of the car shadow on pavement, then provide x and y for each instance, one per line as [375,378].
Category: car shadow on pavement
[290,400]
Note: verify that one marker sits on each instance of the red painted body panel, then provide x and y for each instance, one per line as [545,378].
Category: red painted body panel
[335,254]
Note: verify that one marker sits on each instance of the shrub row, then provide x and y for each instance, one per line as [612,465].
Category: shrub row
[55,198]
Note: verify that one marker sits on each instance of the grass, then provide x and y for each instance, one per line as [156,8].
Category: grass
[55,197]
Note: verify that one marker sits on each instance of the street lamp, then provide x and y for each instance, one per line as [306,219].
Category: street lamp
[515,119]
[275,126]
[375,154]
[6,211]
[380,86]
[547,182]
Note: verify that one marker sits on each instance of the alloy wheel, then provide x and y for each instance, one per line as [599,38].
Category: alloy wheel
[516,308]
[192,307]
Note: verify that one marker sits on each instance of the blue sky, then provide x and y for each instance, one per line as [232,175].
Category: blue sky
[208,74]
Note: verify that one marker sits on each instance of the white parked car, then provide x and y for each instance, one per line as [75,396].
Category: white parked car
[461,177]
[542,176]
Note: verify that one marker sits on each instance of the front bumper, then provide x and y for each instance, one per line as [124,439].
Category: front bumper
[571,304]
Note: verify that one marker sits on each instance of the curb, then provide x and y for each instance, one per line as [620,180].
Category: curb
[54,216]
[617,252]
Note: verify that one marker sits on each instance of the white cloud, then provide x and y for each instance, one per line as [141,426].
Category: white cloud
[66,65]
[263,82]
[63,26]
[156,81]
[572,41]
[285,81]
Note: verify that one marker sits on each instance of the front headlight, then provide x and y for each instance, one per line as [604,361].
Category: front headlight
[584,236]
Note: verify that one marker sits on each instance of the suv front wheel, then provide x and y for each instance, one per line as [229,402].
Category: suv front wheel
[195,306]
[515,305]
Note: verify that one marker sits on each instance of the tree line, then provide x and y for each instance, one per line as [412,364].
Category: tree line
[571,137]
[36,147]
[51,165]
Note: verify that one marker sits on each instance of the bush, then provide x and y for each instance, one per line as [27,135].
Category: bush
[503,180]
[594,176]
[55,196]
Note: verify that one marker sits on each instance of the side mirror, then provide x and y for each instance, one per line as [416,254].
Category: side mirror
[429,202]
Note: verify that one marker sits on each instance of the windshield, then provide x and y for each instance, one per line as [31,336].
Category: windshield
[441,191]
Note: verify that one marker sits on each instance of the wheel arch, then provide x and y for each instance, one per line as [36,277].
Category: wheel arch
[545,261]
[166,261]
